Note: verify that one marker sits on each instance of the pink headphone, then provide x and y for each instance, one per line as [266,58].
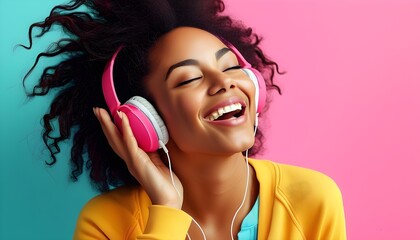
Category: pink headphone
[147,126]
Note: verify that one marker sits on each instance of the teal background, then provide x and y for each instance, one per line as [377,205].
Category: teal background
[36,201]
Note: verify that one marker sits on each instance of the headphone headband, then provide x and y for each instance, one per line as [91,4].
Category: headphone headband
[242,61]
[108,88]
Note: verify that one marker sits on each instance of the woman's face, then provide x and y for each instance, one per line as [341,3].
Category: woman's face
[206,101]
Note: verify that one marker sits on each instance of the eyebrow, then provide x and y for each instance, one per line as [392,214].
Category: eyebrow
[221,52]
[193,62]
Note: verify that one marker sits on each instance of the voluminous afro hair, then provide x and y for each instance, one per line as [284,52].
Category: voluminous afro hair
[95,30]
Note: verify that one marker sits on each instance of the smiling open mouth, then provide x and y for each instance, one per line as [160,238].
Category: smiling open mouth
[227,112]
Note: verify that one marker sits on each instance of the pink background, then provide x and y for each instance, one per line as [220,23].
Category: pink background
[350,106]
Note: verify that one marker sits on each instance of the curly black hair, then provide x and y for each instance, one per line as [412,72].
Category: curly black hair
[95,29]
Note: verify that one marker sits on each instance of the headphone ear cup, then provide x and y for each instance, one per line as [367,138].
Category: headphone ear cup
[253,74]
[260,89]
[147,126]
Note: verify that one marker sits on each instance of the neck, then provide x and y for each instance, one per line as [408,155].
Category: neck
[210,183]
[214,187]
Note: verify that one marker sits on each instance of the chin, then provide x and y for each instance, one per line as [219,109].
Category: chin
[248,146]
[244,144]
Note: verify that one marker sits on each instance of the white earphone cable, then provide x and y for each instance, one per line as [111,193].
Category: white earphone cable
[162,145]
[245,193]
[176,189]
[243,199]
[247,181]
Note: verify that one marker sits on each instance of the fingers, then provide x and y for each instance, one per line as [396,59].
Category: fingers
[123,143]
[111,132]
[127,133]
[130,142]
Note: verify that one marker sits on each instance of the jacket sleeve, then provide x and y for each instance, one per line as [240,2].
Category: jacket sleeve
[331,218]
[166,223]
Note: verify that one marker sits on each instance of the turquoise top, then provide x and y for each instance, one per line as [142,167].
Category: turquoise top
[249,227]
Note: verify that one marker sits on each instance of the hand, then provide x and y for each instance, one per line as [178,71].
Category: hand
[147,168]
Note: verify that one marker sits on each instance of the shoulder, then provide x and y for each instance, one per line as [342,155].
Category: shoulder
[312,199]
[297,183]
[121,199]
[113,213]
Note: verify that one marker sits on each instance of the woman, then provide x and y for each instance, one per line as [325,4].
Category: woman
[188,61]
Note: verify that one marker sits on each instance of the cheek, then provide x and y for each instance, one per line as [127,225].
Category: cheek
[188,108]
[183,121]
[182,111]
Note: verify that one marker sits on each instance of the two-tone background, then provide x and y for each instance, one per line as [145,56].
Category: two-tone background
[350,108]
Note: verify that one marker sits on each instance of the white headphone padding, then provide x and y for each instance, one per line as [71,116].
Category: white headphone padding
[254,79]
[144,106]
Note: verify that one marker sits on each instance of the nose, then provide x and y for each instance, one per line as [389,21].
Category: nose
[221,82]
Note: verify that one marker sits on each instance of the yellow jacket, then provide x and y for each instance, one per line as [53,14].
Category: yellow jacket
[295,203]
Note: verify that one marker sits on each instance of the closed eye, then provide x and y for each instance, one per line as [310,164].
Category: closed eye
[187,81]
[232,68]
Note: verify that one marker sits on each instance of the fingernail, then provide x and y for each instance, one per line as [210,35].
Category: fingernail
[119,114]
[95,111]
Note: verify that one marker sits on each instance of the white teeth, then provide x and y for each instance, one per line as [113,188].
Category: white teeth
[219,112]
